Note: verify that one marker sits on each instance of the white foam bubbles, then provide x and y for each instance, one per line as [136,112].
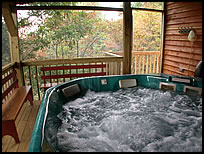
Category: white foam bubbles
[132,119]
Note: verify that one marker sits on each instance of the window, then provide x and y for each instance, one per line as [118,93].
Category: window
[6,59]
[146,30]
[147,37]
[50,34]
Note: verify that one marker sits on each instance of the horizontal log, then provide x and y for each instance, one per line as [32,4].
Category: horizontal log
[172,69]
[175,5]
[185,61]
[178,65]
[182,39]
[184,49]
[193,13]
[183,55]
[196,24]
[176,31]
[185,8]
[179,36]
[176,28]
[173,72]
[183,20]
[184,44]
[167,39]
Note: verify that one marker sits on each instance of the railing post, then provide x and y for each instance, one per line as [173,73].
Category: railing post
[136,64]
[147,64]
[150,71]
[139,64]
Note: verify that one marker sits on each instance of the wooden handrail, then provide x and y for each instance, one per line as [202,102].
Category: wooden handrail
[146,62]
[113,66]
[111,54]
[120,53]
[8,66]
[70,61]
[146,53]
[143,61]
[9,80]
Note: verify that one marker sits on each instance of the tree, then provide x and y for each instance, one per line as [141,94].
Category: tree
[48,32]
[115,35]
[61,29]
[147,28]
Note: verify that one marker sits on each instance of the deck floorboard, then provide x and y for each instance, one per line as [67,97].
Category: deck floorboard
[25,123]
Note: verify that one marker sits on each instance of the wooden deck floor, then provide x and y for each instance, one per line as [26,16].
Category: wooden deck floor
[25,123]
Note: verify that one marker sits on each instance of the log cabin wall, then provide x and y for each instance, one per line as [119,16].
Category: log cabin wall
[179,52]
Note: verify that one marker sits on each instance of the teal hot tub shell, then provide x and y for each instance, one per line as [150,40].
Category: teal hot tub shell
[54,98]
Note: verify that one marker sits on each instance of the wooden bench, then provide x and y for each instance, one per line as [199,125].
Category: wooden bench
[80,69]
[13,104]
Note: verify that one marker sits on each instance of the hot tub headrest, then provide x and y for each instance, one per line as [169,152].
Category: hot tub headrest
[127,83]
[71,90]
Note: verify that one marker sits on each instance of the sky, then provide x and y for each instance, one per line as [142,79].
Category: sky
[111,4]
[111,14]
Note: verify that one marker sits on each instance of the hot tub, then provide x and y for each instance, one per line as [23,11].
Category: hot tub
[55,97]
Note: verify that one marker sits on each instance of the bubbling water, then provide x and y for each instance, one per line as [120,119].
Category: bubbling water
[132,119]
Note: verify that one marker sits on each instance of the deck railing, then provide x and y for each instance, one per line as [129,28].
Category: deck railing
[32,73]
[144,62]
[7,88]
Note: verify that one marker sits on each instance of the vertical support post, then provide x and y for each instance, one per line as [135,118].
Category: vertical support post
[15,57]
[162,40]
[10,17]
[127,38]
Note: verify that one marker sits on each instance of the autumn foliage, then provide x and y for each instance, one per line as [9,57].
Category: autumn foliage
[80,33]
